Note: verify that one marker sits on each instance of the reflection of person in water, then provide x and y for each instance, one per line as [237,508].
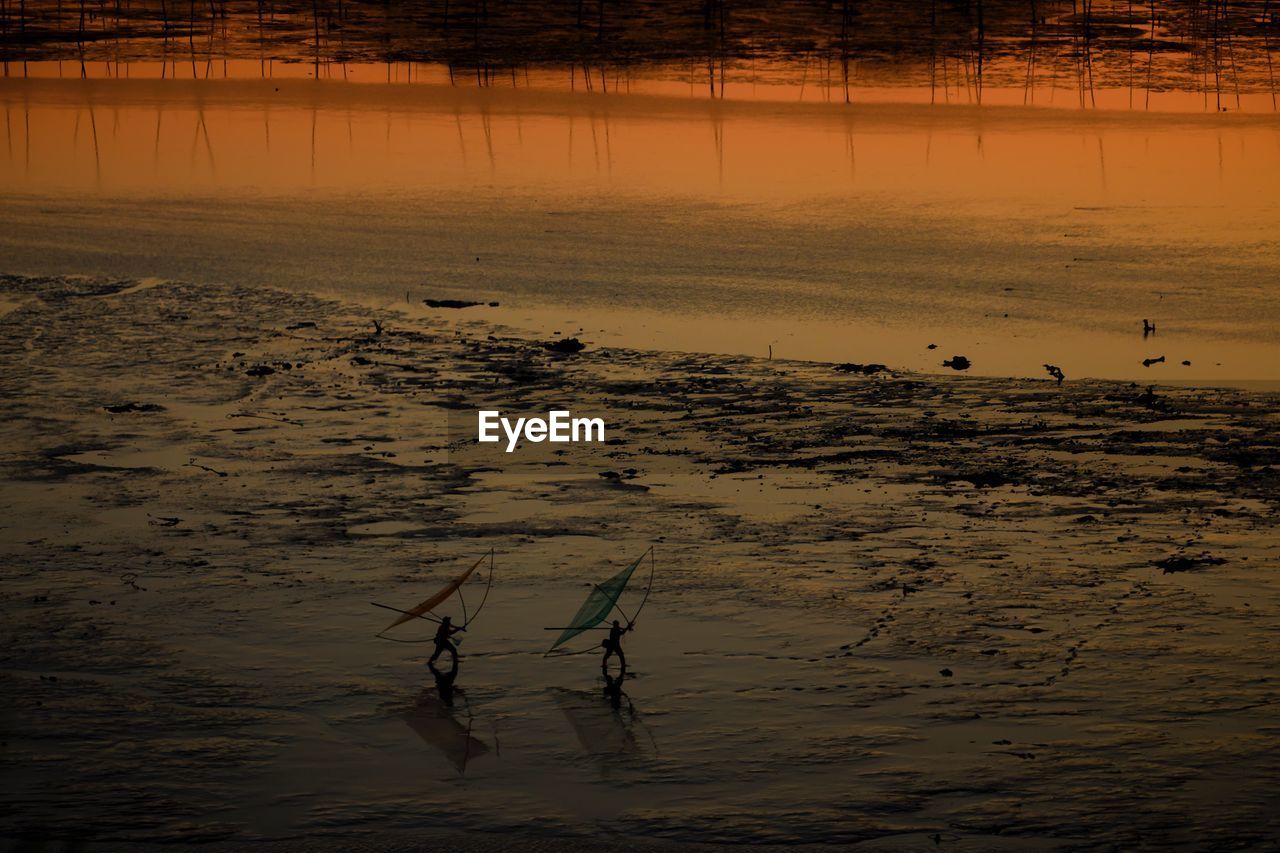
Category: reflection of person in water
[444,635]
[444,680]
[613,646]
[613,688]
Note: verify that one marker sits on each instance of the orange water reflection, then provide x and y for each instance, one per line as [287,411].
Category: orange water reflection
[837,232]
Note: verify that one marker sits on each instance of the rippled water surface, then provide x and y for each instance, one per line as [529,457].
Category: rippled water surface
[1013,235]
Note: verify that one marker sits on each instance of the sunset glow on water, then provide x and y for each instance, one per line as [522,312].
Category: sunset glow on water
[1023,234]
[542,425]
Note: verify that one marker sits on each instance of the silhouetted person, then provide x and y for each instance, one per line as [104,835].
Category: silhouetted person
[613,646]
[1056,372]
[444,680]
[444,640]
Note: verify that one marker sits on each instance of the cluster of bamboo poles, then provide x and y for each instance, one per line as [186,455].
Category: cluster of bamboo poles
[1224,45]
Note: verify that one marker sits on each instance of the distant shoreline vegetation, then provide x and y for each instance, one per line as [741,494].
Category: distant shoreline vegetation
[1220,47]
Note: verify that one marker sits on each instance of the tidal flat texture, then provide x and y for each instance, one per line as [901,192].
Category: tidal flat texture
[885,607]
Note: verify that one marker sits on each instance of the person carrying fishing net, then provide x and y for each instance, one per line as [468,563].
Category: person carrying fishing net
[613,646]
[444,640]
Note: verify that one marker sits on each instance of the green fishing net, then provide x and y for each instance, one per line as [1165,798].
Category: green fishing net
[598,604]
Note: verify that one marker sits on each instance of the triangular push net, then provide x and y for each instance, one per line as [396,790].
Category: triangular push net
[598,604]
[434,601]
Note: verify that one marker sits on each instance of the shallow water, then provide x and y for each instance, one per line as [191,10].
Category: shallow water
[886,649]
[1014,236]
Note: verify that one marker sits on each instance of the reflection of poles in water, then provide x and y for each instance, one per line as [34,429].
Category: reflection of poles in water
[1129,25]
[1213,54]
[853,155]
[844,48]
[608,148]
[313,143]
[191,42]
[1102,164]
[1220,163]
[208,143]
[1151,54]
[595,142]
[982,40]
[933,51]
[97,161]
[315,19]
[1029,87]
[717,130]
[485,122]
[195,143]
[26,117]
[1086,66]
[946,81]
[1076,50]
[1088,47]
[1231,55]
[262,43]
[1204,58]
[462,140]
[1268,23]
[155,153]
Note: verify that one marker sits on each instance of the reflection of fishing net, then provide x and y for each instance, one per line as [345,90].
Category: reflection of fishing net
[436,725]
[603,732]
[598,604]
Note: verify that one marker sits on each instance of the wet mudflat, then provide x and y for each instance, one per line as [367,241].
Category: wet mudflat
[886,606]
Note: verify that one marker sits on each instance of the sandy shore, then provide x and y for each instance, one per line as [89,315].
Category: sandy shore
[886,606]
